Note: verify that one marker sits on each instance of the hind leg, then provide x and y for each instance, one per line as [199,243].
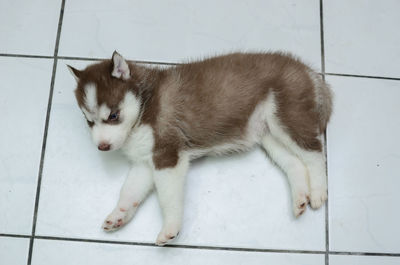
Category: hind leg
[314,160]
[294,169]
[316,164]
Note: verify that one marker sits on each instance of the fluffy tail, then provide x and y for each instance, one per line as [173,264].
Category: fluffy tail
[324,99]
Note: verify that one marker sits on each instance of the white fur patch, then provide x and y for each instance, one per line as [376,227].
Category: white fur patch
[88,115]
[113,134]
[139,145]
[109,134]
[104,112]
[91,97]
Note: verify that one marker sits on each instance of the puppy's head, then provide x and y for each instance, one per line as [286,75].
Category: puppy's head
[109,101]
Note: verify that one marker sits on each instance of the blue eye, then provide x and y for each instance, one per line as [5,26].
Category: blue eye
[114,116]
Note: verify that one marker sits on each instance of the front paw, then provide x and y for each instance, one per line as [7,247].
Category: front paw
[167,234]
[300,201]
[117,219]
[318,197]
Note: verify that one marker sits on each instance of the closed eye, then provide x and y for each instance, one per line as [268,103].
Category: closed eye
[90,123]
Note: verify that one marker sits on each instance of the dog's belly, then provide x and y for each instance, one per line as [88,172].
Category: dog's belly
[256,129]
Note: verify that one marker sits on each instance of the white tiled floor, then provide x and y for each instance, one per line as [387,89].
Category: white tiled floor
[28,27]
[23,104]
[175,30]
[249,212]
[13,251]
[362,37]
[363,165]
[362,260]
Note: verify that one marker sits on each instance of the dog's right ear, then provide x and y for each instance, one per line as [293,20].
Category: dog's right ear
[75,72]
[120,67]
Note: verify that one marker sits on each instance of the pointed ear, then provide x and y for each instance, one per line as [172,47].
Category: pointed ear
[120,67]
[75,73]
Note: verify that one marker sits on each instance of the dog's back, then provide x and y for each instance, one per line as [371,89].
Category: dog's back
[211,102]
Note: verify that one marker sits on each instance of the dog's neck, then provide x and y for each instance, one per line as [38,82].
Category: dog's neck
[147,81]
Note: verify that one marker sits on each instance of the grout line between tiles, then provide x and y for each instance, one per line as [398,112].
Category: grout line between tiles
[349,253]
[321,14]
[26,56]
[180,246]
[100,59]
[46,127]
[80,58]
[289,251]
[15,235]
[321,27]
[172,64]
[364,76]
[129,243]
[327,203]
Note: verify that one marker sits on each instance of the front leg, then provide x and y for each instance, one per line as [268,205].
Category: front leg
[137,185]
[169,182]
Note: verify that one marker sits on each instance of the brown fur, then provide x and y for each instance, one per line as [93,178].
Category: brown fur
[207,103]
[109,90]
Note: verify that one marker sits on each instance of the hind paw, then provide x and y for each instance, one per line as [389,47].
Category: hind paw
[318,197]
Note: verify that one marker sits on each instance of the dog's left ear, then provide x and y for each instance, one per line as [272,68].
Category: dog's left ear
[75,72]
[120,67]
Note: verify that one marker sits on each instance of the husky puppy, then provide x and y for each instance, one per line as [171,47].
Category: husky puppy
[163,118]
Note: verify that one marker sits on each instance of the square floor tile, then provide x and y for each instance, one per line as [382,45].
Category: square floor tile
[364,165]
[172,31]
[362,37]
[65,253]
[362,260]
[29,27]
[25,85]
[238,201]
[13,251]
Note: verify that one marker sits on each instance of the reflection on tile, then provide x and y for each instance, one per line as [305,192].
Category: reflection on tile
[241,201]
[71,253]
[364,165]
[25,85]
[361,37]
[29,27]
[363,260]
[172,31]
[13,251]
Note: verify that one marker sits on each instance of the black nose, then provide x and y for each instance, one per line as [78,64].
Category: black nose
[104,147]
